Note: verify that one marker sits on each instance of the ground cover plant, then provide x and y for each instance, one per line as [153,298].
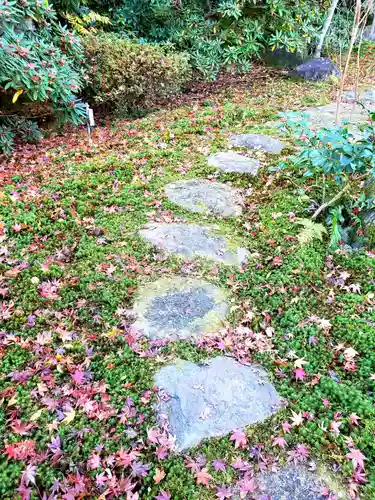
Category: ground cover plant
[77,417]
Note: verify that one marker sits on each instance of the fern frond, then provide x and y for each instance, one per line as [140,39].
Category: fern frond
[310,231]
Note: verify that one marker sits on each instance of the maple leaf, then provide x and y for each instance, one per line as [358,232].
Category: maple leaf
[334,427]
[28,475]
[279,441]
[101,479]
[49,290]
[300,374]
[223,492]
[153,435]
[159,475]
[203,477]
[93,462]
[300,362]
[286,427]
[239,438]
[357,458]
[161,453]
[277,261]
[350,354]
[69,416]
[21,450]
[218,465]
[302,451]
[247,485]
[163,495]
[21,428]
[78,377]
[297,419]
[139,469]
[191,464]
[354,419]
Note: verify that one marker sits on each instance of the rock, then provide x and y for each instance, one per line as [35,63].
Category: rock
[179,308]
[365,97]
[192,240]
[290,483]
[258,141]
[369,218]
[325,116]
[369,34]
[213,398]
[205,197]
[229,162]
[316,70]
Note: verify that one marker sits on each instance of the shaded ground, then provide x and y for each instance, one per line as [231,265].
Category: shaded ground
[77,383]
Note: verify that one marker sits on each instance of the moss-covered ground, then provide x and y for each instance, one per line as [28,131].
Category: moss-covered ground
[76,385]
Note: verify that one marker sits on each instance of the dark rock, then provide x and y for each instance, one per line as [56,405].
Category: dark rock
[316,70]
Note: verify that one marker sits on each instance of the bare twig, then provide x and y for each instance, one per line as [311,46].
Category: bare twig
[330,202]
[359,21]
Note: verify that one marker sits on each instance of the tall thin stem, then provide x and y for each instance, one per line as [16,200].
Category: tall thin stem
[326,25]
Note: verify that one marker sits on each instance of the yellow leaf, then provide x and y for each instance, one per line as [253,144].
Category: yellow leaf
[159,475]
[16,95]
[35,416]
[214,29]
[12,401]
[69,416]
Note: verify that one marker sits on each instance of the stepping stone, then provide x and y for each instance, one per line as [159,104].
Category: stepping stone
[193,240]
[179,308]
[229,162]
[365,97]
[316,70]
[210,399]
[291,483]
[266,143]
[205,197]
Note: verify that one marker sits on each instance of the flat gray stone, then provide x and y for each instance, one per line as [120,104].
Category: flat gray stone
[211,399]
[229,162]
[365,97]
[205,197]
[193,240]
[292,483]
[179,308]
[325,116]
[266,143]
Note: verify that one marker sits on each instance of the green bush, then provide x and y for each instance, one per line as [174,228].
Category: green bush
[124,75]
[40,63]
[221,33]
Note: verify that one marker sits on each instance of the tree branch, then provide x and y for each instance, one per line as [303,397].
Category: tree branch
[330,202]
[326,25]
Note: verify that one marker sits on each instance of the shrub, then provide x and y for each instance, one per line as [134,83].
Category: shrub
[342,164]
[125,74]
[39,61]
[221,33]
